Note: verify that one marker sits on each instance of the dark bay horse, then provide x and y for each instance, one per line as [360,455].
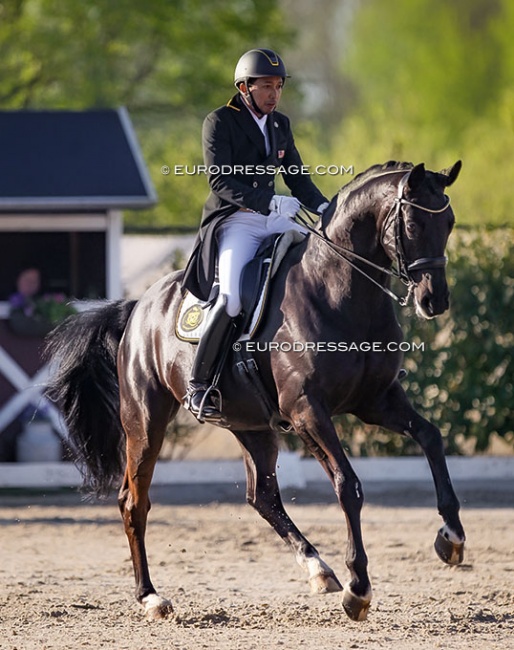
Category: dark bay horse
[122,373]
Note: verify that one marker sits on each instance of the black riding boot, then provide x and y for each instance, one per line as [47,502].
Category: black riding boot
[202,398]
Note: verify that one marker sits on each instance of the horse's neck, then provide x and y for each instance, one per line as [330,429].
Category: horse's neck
[357,222]
[355,229]
[358,228]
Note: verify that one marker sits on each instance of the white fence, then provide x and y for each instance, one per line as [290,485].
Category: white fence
[292,471]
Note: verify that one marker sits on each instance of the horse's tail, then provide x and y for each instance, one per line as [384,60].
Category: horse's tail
[85,388]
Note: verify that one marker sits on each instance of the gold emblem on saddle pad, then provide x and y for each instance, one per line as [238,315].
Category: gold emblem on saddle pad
[192,318]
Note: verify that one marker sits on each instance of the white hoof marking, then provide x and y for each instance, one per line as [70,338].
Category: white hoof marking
[448,533]
[314,566]
[157,607]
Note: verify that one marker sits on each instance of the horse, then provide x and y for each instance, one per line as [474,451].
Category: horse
[121,372]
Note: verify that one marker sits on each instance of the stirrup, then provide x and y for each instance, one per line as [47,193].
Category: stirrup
[211,392]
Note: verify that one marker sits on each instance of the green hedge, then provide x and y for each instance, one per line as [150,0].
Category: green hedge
[463,379]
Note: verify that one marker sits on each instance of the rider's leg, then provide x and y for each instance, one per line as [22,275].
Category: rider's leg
[238,240]
[219,333]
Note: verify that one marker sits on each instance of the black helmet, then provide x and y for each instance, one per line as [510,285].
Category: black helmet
[259,63]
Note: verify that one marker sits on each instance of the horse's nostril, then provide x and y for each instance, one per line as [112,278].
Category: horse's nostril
[426,305]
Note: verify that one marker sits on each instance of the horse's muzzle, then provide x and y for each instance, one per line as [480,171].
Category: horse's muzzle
[431,294]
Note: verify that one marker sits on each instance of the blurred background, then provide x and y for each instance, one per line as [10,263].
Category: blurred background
[371,80]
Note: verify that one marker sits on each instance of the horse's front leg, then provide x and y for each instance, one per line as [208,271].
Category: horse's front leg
[313,424]
[395,412]
[260,452]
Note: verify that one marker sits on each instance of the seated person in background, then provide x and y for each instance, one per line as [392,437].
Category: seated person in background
[33,314]
[28,285]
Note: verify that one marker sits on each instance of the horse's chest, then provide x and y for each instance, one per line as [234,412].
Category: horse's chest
[355,366]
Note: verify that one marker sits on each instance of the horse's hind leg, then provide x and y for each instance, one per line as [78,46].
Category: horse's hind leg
[144,420]
[260,452]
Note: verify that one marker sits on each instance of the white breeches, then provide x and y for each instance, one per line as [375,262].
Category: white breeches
[239,237]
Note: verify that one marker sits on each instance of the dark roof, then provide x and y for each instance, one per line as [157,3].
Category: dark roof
[71,161]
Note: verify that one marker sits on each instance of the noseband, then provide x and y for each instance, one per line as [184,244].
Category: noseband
[391,240]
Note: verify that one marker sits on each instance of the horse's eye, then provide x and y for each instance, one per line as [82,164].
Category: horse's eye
[411,228]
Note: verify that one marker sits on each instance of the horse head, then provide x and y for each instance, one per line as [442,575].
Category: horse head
[417,233]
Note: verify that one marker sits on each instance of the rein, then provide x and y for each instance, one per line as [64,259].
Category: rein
[404,269]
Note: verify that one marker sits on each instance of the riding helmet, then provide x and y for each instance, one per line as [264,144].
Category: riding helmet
[259,63]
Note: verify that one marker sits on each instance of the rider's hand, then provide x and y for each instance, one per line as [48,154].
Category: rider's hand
[321,209]
[286,206]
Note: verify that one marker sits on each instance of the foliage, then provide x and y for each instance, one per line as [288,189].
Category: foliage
[463,379]
[464,382]
[37,316]
[423,80]
[170,142]
[429,63]
[51,308]
[432,81]
[151,55]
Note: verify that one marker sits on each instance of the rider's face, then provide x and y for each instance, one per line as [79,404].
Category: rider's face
[266,92]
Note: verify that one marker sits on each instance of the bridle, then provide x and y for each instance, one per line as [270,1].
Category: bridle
[391,241]
[397,252]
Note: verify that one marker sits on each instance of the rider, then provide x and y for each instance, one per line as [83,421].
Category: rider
[243,144]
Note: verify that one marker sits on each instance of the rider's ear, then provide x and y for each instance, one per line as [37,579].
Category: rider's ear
[449,176]
[416,176]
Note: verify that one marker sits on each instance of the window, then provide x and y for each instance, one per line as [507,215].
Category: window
[73,263]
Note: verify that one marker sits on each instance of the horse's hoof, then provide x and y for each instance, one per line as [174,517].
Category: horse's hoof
[356,607]
[157,608]
[324,583]
[450,552]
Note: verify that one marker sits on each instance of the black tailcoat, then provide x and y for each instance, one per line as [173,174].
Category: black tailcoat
[242,176]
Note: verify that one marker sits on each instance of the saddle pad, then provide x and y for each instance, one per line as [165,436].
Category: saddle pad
[192,313]
[191,318]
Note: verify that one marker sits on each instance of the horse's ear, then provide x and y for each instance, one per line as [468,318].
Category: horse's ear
[450,175]
[416,176]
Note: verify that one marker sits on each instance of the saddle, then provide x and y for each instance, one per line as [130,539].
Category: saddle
[255,284]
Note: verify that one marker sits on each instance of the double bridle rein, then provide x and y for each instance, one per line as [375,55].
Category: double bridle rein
[392,244]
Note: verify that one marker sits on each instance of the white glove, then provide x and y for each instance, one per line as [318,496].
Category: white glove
[322,207]
[286,206]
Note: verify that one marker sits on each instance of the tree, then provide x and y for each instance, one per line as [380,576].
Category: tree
[430,64]
[158,55]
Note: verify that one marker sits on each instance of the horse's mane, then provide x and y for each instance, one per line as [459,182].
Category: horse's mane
[361,179]
[370,173]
